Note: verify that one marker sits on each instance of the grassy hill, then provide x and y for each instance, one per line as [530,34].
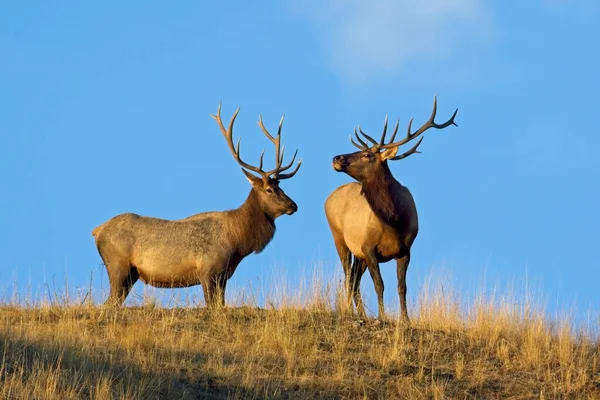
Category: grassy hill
[293,351]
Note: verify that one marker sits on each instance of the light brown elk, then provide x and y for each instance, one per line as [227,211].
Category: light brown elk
[205,248]
[375,219]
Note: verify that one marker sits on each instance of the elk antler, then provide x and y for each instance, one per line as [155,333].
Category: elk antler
[409,136]
[235,149]
[279,152]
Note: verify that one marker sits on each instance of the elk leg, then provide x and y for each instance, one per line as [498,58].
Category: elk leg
[220,286]
[121,280]
[346,259]
[401,268]
[358,269]
[209,288]
[373,266]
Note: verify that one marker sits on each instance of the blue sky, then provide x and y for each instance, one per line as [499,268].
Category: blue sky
[104,110]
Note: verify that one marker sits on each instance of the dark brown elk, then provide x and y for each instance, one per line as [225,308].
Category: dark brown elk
[375,219]
[205,248]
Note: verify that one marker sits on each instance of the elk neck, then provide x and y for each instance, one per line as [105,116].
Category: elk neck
[252,226]
[379,190]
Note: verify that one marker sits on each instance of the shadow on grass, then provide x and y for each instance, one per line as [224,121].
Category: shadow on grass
[80,373]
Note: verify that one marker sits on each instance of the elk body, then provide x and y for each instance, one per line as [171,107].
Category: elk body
[205,248]
[375,219]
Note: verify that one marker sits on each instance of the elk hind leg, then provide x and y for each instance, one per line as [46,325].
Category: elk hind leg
[346,259]
[122,277]
[358,269]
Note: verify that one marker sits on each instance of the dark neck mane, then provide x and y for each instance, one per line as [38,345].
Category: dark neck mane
[253,228]
[379,190]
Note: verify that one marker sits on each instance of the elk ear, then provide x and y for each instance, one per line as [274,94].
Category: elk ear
[251,178]
[389,153]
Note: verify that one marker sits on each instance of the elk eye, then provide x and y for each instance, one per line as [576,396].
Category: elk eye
[269,190]
[366,155]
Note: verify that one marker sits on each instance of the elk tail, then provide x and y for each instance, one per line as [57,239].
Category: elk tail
[96,230]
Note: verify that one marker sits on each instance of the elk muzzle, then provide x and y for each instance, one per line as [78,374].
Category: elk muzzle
[292,208]
[340,163]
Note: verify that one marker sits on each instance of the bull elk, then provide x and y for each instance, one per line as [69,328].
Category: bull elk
[375,219]
[204,248]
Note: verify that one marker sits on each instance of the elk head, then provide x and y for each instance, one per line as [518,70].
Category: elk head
[363,164]
[272,200]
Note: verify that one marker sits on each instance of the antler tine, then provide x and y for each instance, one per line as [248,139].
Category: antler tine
[280,159]
[280,125]
[382,141]
[279,152]
[275,140]
[262,154]
[265,131]
[412,150]
[358,146]
[235,149]
[369,138]
[395,130]
[427,125]
[363,145]
[289,175]
[280,148]
[289,165]
[408,129]
[278,162]
[431,122]
[236,154]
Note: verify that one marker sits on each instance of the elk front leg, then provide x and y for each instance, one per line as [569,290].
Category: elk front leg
[209,287]
[214,291]
[373,266]
[401,268]
[220,290]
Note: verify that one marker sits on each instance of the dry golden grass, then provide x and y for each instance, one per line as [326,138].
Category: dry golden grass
[298,347]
